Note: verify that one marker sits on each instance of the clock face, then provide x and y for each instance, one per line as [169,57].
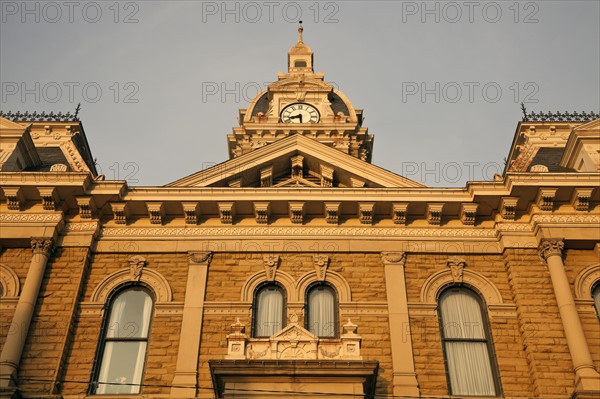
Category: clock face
[299,113]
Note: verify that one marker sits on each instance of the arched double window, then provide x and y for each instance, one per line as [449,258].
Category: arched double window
[321,311]
[269,310]
[596,296]
[467,345]
[122,352]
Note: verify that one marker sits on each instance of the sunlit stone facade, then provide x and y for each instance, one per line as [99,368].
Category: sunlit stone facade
[297,266]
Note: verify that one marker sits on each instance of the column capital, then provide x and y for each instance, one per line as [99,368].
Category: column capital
[42,245]
[393,258]
[200,258]
[551,247]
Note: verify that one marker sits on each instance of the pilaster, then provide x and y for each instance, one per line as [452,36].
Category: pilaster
[404,376]
[185,382]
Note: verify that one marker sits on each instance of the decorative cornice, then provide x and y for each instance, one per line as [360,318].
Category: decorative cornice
[545,198]
[295,231]
[550,247]
[42,245]
[332,212]
[14,198]
[120,211]
[296,210]
[87,207]
[508,207]
[468,213]
[393,258]
[365,212]
[156,212]
[434,214]
[226,212]
[558,117]
[190,211]
[581,199]
[41,117]
[50,198]
[399,211]
[30,217]
[262,211]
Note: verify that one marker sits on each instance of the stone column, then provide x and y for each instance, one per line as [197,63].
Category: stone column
[19,329]
[586,377]
[186,371]
[404,376]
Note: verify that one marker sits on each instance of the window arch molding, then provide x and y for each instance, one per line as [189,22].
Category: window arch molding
[338,283]
[286,281]
[11,287]
[121,278]
[439,281]
[586,280]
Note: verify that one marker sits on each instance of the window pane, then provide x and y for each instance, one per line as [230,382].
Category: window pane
[130,315]
[269,311]
[122,363]
[461,316]
[321,312]
[469,369]
[596,295]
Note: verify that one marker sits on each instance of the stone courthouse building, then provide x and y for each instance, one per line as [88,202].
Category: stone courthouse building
[297,268]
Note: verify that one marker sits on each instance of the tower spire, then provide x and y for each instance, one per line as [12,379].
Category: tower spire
[300,56]
[300,30]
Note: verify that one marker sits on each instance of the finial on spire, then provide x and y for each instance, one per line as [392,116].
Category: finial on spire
[300,30]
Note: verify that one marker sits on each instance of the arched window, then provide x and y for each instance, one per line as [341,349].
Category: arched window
[467,344]
[596,296]
[321,311]
[269,310]
[122,351]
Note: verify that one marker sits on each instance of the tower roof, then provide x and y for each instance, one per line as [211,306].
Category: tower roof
[300,56]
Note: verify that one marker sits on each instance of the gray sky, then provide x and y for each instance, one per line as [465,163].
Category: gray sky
[440,82]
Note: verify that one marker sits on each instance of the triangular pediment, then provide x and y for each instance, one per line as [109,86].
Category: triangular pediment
[294,332]
[6,125]
[295,161]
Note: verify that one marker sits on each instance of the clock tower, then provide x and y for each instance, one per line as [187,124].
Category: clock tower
[301,102]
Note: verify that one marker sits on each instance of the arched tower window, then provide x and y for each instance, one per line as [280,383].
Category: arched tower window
[124,343]
[467,344]
[269,310]
[321,310]
[596,296]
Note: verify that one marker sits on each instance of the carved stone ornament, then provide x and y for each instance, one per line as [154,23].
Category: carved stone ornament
[321,265]
[200,257]
[136,265]
[393,258]
[42,245]
[550,247]
[293,342]
[456,266]
[271,263]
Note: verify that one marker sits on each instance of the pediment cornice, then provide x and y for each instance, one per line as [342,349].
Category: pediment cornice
[295,144]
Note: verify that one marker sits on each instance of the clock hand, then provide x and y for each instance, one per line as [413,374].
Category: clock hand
[298,116]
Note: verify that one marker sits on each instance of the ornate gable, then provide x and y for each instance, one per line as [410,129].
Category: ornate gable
[295,161]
